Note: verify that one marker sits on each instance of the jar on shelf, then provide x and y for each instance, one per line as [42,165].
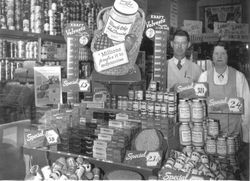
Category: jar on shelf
[210,145]
[183,111]
[221,146]
[197,135]
[197,111]
[213,127]
[185,134]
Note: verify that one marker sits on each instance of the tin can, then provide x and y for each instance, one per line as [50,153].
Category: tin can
[187,150]
[130,105]
[171,108]
[157,107]
[159,97]
[221,146]
[165,97]
[170,163]
[153,86]
[148,95]
[151,106]
[153,96]
[171,97]
[143,106]
[131,94]
[164,108]
[213,127]
[139,94]
[135,105]
[113,102]
[195,156]
[204,159]
[179,164]
[189,166]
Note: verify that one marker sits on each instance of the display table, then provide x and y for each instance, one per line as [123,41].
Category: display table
[43,157]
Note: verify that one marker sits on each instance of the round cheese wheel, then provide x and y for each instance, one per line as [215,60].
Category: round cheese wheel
[148,140]
[123,175]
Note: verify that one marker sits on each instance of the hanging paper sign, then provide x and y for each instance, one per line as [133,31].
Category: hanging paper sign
[192,90]
[110,57]
[78,29]
[76,85]
[232,105]
[155,22]
[52,137]
[150,159]
[34,138]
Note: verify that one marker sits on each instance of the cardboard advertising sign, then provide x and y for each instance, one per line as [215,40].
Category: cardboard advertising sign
[150,159]
[231,105]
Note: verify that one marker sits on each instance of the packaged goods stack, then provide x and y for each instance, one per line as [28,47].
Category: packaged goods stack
[49,17]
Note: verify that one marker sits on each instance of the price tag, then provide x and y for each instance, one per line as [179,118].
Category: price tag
[200,89]
[152,159]
[235,105]
[52,137]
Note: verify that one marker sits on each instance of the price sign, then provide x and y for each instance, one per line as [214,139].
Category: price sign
[52,137]
[235,105]
[153,159]
[200,89]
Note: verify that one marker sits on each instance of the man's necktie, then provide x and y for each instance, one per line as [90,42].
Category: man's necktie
[179,64]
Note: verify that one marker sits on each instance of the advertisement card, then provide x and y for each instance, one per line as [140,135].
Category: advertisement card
[150,159]
[47,85]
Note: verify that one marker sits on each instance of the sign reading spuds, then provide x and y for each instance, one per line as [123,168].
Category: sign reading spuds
[110,57]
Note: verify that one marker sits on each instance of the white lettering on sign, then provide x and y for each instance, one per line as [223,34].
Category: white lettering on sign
[181,88]
[169,176]
[68,82]
[110,57]
[84,85]
[153,158]
[235,105]
[72,31]
[132,156]
[200,89]
[31,137]
[213,102]
[153,23]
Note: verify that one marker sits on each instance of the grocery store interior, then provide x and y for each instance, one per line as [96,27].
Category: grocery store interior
[60,118]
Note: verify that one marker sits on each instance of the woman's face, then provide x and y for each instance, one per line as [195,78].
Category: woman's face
[180,45]
[220,56]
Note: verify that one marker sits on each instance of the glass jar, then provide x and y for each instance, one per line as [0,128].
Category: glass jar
[197,135]
[210,145]
[221,146]
[185,134]
[183,111]
[197,111]
[213,127]
[121,18]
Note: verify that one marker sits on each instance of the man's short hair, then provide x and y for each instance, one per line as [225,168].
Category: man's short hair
[181,33]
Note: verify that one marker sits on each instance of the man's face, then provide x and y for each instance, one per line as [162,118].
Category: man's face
[220,56]
[180,45]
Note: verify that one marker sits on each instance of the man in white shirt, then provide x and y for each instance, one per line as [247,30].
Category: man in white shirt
[225,81]
[180,69]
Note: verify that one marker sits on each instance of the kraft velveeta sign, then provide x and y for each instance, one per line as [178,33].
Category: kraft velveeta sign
[110,57]
[192,90]
[232,105]
[150,159]
[78,29]
[76,85]
[156,21]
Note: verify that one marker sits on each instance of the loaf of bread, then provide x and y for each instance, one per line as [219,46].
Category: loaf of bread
[148,140]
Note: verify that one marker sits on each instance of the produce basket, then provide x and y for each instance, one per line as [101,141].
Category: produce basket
[100,40]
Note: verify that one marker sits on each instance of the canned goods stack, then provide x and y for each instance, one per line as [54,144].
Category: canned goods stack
[196,163]
[68,168]
[10,14]
[3,21]
[7,69]
[18,15]
[153,108]
[85,69]
[26,16]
